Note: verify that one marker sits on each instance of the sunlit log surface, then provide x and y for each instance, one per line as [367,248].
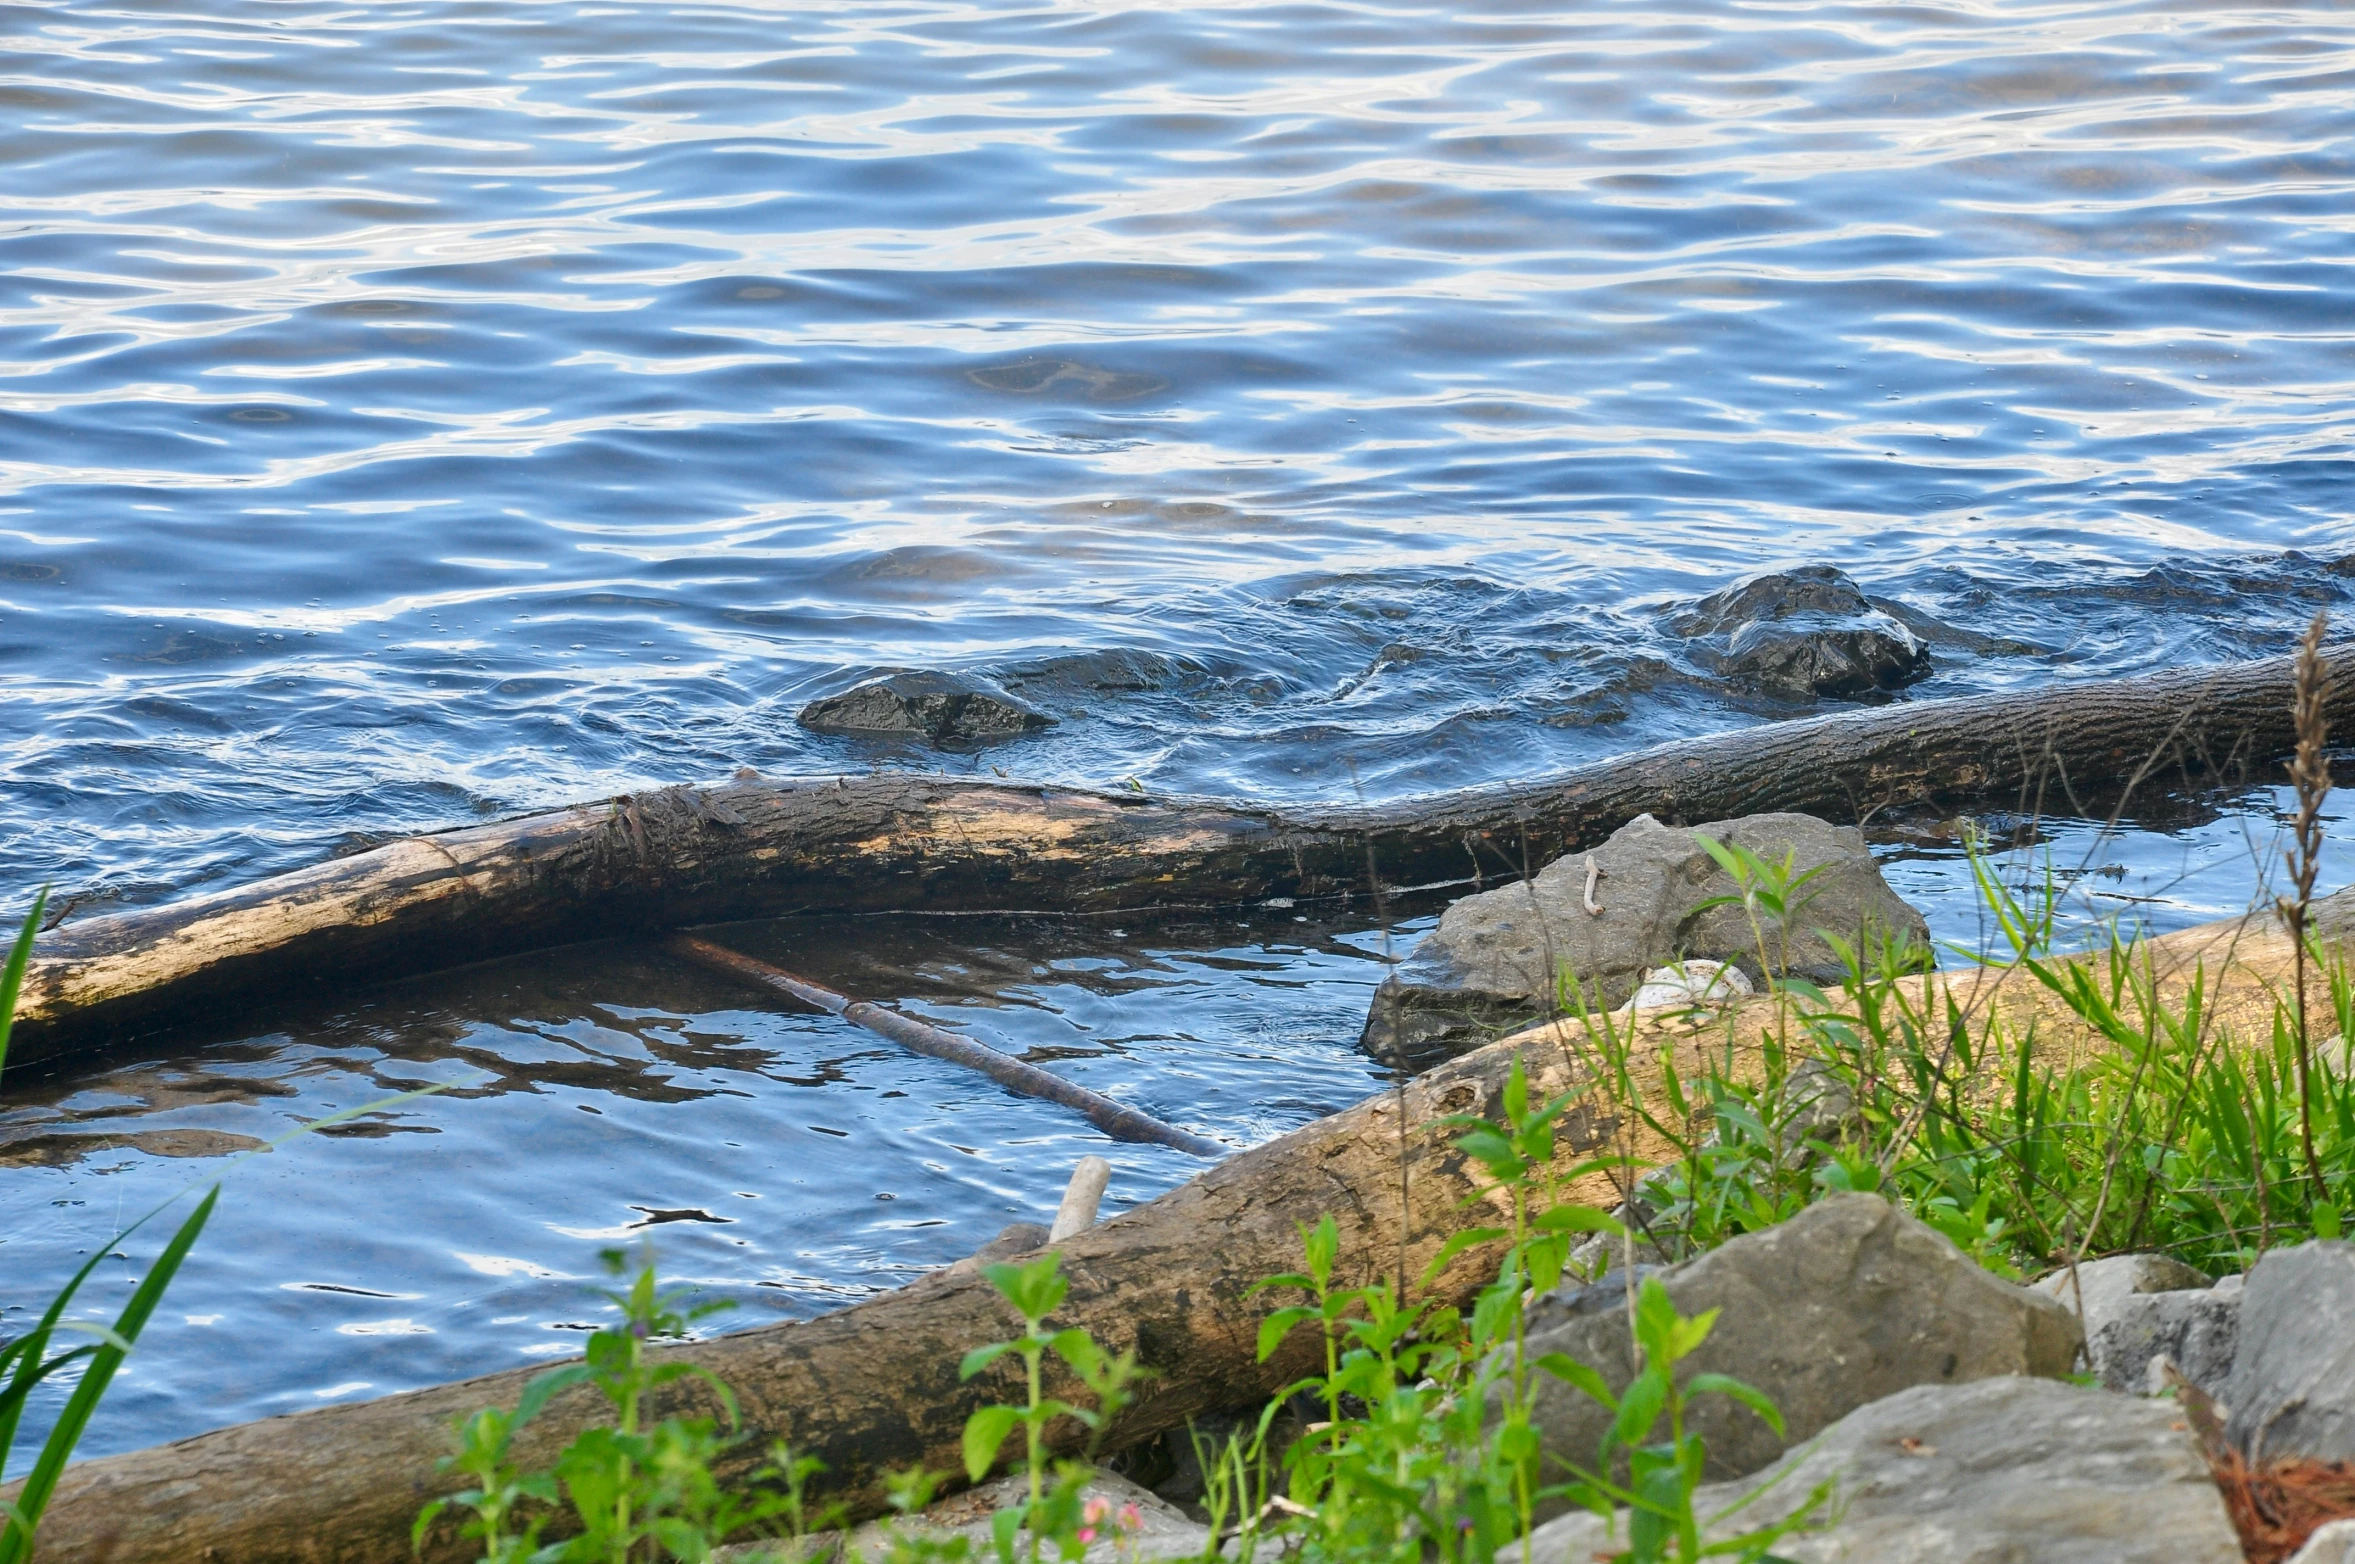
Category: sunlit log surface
[904,842]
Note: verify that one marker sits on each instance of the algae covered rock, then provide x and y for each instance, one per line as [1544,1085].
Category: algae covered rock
[943,707]
[1492,963]
[1802,633]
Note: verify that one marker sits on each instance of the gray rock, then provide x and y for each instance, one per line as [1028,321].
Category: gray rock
[1164,1531]
[1799,634]
[2003,1471]
[951,707]
[2140,1307]
[2332,1544]
[2292,1391]
[2198,1332]
[1847,1302]
[2097,1289]
[1492,962]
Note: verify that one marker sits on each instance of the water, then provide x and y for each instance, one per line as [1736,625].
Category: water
[417,412]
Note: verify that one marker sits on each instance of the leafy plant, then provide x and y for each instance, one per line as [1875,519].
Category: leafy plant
[630,1489]
[1055,1508]
[1664,1473]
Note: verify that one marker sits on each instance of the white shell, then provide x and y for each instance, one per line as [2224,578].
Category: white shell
[1690,983]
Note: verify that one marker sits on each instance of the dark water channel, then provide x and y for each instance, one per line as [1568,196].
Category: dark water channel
[415,412]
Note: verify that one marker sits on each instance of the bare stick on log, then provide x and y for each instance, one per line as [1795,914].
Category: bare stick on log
[1114,1119]
[907,843]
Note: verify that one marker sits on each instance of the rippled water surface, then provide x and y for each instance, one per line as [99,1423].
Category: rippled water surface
[416,412]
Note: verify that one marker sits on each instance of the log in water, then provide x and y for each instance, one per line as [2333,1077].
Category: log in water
[913,843]
[875,1386]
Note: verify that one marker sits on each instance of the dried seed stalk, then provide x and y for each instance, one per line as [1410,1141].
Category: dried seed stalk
[2310,775]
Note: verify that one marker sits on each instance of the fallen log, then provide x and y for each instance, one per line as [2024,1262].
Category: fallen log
[904,842]
[1117,1120]
[875,1387]
[869,1388]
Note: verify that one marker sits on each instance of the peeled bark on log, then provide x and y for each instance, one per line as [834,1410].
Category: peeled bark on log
[908,843]
[874,1386]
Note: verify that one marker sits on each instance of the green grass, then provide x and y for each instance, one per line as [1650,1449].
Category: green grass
[2173,1134]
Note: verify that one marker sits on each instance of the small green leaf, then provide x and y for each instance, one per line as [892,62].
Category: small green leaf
[1457,1243]
[982,1357]
[1726,1385]
[1579,1377]
[1277,1326]
[985,1434]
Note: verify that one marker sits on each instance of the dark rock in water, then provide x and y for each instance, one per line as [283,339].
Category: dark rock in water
[1849,1301]
[2293,1381]
[1492,962]
[1802,633]
[940,706]
[1116,668]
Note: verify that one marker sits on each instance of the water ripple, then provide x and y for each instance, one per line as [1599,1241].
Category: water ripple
[408,413]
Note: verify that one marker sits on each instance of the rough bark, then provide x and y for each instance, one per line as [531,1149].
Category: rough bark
[872,1387]
[905,842]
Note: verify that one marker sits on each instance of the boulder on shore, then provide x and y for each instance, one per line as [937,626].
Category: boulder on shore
[2141,1307]
[2003,1471]
[1799,634]
[1847,1302]
[1492,963]
[951,707]
[2293,1382]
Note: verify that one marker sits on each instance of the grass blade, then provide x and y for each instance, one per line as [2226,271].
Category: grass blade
[16,1530]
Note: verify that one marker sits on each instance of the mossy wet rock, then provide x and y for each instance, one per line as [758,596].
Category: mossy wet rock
[2004,1471]
[943,707]
[1492,963]
[1799,634]
[1847,1302]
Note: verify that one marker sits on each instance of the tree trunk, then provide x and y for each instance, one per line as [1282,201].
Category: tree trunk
[874,1387]
[905,842]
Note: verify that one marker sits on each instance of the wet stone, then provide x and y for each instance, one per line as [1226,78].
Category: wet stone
[1492,963]
[943,707]
[1799,634]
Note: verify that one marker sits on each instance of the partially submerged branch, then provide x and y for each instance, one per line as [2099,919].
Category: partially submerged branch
[907,843]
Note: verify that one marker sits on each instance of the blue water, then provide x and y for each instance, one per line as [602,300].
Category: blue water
[415,412]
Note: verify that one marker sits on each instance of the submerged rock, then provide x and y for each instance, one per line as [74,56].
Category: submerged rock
[2003,1471]
[1802,633]
[1847,1302]
[938,706]
[1493,961]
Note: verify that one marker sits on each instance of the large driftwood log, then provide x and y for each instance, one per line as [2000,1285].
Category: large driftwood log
[875,1387]
[905,842]
[872,1387]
